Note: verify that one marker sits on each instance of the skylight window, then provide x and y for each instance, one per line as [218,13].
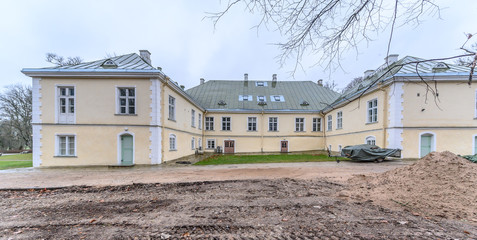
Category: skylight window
[261,84]
[277,98]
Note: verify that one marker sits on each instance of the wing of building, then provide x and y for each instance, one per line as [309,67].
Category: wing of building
[124,111]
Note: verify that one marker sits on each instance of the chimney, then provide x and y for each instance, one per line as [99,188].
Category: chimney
[392,58]
[145,55]
[368,73]
[320,82]
[202,81]
[274,77]
[182,86]
[245,76]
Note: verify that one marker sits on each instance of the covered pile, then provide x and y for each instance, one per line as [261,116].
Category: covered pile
[440,184]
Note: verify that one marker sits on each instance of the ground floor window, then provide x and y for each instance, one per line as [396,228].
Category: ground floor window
[172,142]
[66,145]
[371,140]
[210,143]
[192,143]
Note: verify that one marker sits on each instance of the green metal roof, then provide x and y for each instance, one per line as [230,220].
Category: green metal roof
[294,93]
[130,61]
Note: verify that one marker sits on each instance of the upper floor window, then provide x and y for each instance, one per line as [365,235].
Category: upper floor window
[66,103]
[261,98]
[372,111]
[226,123]
[339,120]
[252,124]
[209,123]
[127,100]
[299,124]
[199,125]
[172,108]
[273,124]
[66,145]
[316,124]
[330,123]
[245,98]
[192,117]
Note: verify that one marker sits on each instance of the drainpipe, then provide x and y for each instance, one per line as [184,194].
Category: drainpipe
[323,134]
[163,121]
[385,114]
[261,132]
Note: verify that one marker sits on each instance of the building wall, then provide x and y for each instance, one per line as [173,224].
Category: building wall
[97,124]
[181,127]
[263,140]
[355,127]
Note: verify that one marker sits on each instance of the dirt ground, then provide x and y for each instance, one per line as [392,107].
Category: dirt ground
[310,207]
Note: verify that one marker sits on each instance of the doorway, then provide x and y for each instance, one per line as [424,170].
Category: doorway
[127,149]
[284,146]
[427,144]
[229,146]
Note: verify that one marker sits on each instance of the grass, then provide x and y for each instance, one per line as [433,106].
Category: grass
[244,159]
[16,161]
[17,157]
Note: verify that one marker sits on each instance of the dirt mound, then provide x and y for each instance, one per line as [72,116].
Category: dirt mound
[438,185]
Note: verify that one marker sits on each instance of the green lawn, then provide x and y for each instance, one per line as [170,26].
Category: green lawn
[236,159]
[17,161]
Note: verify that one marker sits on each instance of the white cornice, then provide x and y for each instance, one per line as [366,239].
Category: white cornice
[101,73]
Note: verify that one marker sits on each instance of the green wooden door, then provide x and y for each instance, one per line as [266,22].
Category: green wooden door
[127,150]
[426,144]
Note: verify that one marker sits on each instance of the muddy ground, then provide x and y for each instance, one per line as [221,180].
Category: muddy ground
[233,209]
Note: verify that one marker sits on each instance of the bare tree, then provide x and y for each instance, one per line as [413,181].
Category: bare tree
[16,112]
[328,29]
[356,81]
[333,86]
[61,61]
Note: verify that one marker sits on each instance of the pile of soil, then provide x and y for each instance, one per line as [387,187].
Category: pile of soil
[438,185]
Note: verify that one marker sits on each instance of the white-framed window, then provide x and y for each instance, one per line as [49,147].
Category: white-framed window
[475,104]
[339,148]
[192,117]
[277,98]
[210,143]
[372,113]
[261,84]
[261,98]
[66,145]
[172,108]
[126,100]
[371,140]
[299,124]
[316,124]
[245,98]
[273,124]
[329,124]
[209,123]
[66,104]
[192,143]
[199,125]
[226,123]
[339,120]
[329,147]
[199,142]
[252,124]
[172,142]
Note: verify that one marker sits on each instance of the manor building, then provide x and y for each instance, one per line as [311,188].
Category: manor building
[124,111]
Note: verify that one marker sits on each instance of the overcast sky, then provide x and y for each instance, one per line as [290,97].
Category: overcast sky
[187,46]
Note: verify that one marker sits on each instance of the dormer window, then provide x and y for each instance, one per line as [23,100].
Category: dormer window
[277,98]
[304,103]
[109,64]
[245,98]
[222,103]
[261,99]
[440,67]
[261,84]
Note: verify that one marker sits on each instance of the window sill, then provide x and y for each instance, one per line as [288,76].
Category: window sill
[251,130]
[273,131]
[60,156]
[339,128]
[172,150]
[368,123]
[124,114]
[317,131]
[211,130]
[226,130]
[171,119]
[300,131]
